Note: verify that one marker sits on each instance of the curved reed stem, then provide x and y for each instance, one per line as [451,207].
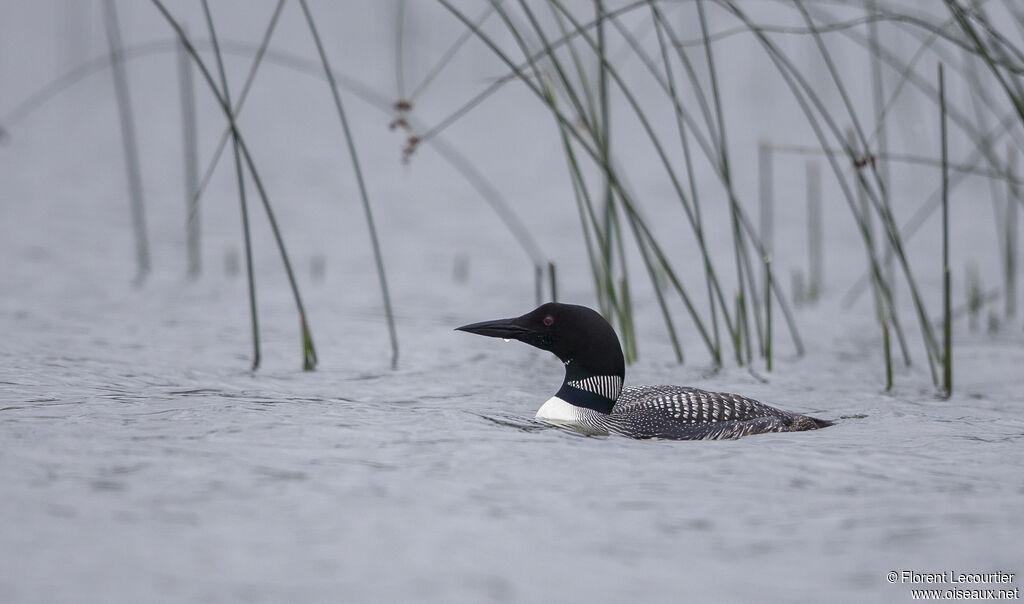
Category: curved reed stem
[240,174]
[308,350]
[129,142]
[642,233]
[378,258]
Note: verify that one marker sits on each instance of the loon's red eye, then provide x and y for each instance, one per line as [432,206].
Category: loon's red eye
[549,320]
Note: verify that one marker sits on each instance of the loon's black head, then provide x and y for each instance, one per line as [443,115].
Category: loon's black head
[577,335]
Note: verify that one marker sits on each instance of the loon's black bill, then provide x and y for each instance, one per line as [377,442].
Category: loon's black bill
[502,328]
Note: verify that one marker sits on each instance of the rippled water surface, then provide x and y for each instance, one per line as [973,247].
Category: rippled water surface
[149,469]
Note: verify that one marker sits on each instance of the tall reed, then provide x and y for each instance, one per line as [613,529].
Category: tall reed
[1010,237]
[641,232]
[880,134]
[128,139]
[240,176]
[765,181]
[821,122]
[739,243]
[744,222]
[399,50]
[665,38]
[191,159]
[947,324]
[815,250]
[364,197]
[308,349]
[767,218]
[225,136]
[575,75]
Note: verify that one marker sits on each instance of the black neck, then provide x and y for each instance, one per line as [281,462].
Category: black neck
[584,398]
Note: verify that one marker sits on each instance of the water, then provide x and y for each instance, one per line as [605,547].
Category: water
[147,469]
[140,460]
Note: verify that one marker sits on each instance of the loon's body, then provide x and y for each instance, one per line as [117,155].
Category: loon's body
[592,398]
[677,412]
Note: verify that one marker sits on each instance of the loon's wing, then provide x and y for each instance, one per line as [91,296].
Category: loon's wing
[644,423]
[691,413]
[693,405]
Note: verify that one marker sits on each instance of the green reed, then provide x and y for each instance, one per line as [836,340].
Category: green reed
[189,145]
[240,176]
[663,33]
[129,141]
[880,134]
[739,243]
[308,349]
[651,253]
[250,77]
[258,53]
[822,123]
[570,64]
[947,324]
[815,251]
[364,197]
[1010,237]
[736,210]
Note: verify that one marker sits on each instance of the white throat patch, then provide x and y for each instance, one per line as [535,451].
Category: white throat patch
[557,410]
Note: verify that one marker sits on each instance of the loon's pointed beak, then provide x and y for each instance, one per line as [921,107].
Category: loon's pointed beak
[502,328]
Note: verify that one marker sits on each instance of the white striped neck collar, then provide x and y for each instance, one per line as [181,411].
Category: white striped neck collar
[597,392]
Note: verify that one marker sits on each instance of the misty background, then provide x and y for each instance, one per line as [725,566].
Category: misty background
[144,461]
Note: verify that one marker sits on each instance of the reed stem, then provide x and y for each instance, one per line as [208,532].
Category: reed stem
[191,159]
[628,327]
[660,30]
[768,313]
[553,281]
[378,257]
[242,96]
[538,284]
[607,229]
[815,272]
[739,244]
[240,174]
[400,50]
[1010,237]
[447,56]
[714,156]
[309,352]
[133,171]
[766,179]
[764,171]
[947,324]
[887,350]
[603,120]
[880,133]
[808,100]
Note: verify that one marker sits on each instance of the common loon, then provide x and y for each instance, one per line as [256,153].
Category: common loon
[593,401]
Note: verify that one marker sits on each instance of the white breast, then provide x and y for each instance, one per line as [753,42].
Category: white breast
[558,411]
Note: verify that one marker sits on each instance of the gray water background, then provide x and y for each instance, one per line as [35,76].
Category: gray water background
[141,461]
